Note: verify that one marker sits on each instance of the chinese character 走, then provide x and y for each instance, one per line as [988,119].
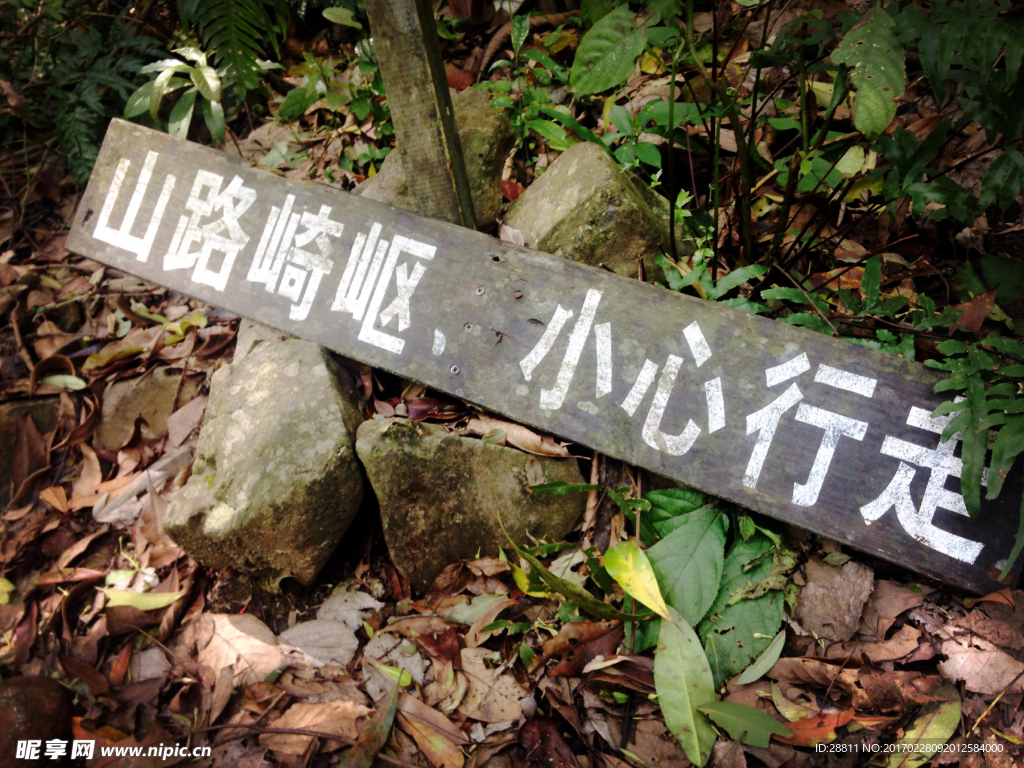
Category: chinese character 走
[941,464]
[224,235]
[766,420]
[281,263]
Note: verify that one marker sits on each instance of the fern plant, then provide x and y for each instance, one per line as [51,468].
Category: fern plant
[237,32]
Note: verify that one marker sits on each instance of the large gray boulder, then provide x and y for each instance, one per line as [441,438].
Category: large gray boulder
[441,495]
[586,208]
[276,481]
[486,136]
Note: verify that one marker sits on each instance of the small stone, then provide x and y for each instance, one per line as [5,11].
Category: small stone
[441,495]
[35,708]
[44,413]
[151,396]
[276,481]
[586,208]
[486,138]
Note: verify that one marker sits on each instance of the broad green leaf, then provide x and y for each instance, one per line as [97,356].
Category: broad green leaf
[629,566]
[161,86]
[138,102]
[683,681]
[1003,180]
[1008,274]
[765,661]
[144,601]
[520,31]
[673,502]
[875,57]
[745,723]
[930,730]
[608,52]
[65,381]
[375,735]
[298,101]
[561,488]
[207,81]
[181,115]
[105,357]
[747,563]
[213,114]
[341,15]
[736,278]
[731,637]
[688,563]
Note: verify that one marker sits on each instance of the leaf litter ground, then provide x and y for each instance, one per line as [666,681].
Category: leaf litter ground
[487,669]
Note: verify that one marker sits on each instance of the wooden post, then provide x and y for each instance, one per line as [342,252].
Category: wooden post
[409,53]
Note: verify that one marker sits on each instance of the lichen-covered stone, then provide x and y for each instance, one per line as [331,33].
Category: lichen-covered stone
[586,208]
[441,495]
[152,396]
[276,481]
[486,137]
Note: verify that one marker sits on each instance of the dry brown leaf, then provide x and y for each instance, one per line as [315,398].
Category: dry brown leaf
[322,641]
[521,437]
[489,698]
[893,690]
[805,671]
[888,600]
[476,636]
[181,423]
[341,718]
[440,751]
[728,754]
[904,642]
[982,666]
[1000,624]
[976,310]
[831,602]
[243,642]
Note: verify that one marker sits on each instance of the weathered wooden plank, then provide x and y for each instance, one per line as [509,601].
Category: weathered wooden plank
[825,434]
[421,108]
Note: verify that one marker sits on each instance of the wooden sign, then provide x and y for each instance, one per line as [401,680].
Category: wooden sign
[815,431]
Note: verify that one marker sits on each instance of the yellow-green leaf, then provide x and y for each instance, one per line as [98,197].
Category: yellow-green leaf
[933,727]
[874,54]
[629,566]
[745,723]
[144,601]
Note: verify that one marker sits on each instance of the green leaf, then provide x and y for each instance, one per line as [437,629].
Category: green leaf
[520,31]
[648,153]
[181,115]
[160,87]
[373,737]
[875,57]
[1008,274]
[207,81]
[871,281]
[561,488]
[736,278]
[688,563]
[572,592]
[731,636]
[340,15]
[608,52]
[1009,445]
[683,681]
[765,661]
[213,114]
[745,723]
[629,566]
[299,100]
[930,730]
[144,601]
[138,102]
[673,502]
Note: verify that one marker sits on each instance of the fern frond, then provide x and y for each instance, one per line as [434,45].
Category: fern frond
[236,31]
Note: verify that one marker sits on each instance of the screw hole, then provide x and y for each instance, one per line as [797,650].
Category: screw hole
[455,370]
[495,257]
